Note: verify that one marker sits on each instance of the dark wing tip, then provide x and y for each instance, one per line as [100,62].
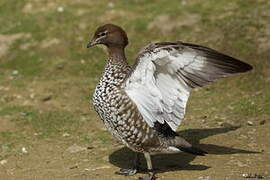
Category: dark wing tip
[238,66]
[246,67]
[234,65]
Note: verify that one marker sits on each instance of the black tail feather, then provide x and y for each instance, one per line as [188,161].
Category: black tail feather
[193,150]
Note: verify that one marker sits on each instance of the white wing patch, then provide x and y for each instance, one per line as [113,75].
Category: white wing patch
[158,92]
[165,73]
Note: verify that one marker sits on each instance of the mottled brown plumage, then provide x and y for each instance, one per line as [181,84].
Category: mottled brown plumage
[134,103]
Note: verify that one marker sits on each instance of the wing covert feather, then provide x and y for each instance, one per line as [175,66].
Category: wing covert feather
[165,73]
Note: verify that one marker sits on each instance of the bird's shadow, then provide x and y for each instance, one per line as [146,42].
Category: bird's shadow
[123,157]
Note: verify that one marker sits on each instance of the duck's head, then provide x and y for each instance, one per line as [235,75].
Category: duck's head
[109,35]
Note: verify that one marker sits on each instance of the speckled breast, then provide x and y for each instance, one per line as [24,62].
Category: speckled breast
[119,114]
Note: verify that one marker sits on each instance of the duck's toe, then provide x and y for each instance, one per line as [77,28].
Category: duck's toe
[126,172]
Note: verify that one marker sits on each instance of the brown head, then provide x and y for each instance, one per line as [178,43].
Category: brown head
[109,35]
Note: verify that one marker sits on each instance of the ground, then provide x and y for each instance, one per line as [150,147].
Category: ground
[49,130]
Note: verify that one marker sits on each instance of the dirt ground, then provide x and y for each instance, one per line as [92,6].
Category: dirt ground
[232,153]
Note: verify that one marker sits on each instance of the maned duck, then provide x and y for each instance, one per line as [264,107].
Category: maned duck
[143,105]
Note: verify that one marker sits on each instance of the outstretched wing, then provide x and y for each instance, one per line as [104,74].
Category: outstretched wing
[165,73]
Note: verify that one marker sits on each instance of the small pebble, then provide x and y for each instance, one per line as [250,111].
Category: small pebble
[82,61]
[15,72]
[60,9]
[24,150]
[3,162]
[250,123]
[66,135]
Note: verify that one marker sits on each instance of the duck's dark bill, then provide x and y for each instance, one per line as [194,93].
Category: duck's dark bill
[91,44]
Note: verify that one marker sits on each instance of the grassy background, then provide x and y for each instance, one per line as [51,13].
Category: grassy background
[47,77]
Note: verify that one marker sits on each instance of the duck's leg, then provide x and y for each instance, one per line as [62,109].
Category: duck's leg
[134,168]
[151,175]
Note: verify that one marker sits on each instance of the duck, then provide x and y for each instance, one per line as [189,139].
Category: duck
[143,105]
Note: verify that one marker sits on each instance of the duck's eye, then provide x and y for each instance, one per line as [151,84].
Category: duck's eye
[102,34]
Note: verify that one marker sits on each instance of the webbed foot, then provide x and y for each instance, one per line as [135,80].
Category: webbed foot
[126,172]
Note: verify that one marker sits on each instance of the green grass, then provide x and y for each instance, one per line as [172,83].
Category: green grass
[30,122]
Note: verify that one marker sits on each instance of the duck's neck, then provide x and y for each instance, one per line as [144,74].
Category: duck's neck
[116,69]
[117,55]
